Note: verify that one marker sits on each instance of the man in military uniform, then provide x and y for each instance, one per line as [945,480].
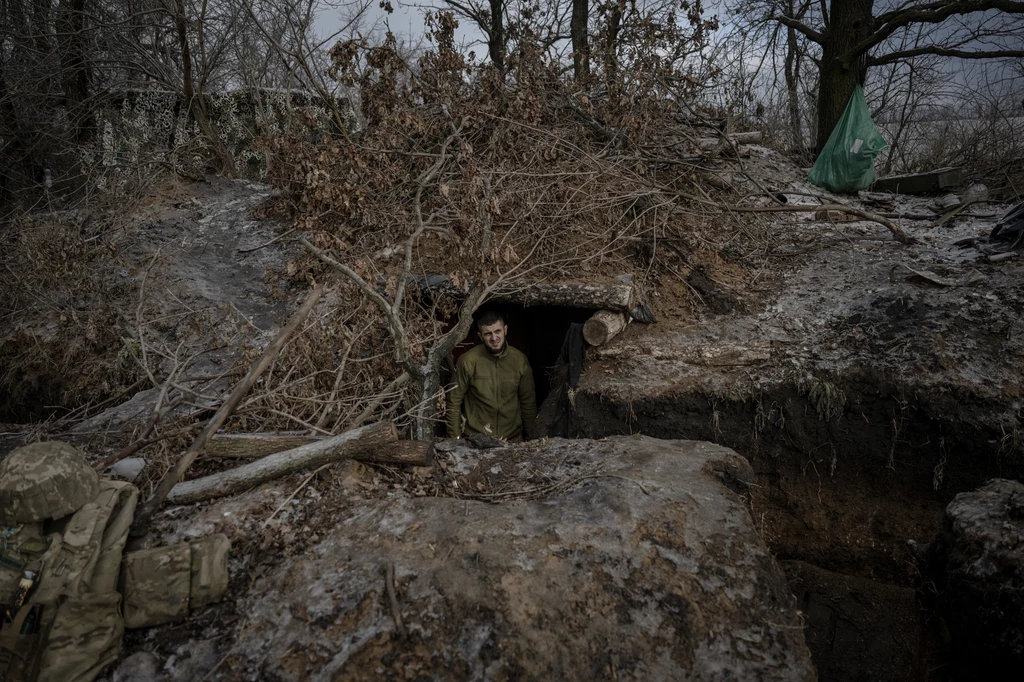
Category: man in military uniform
[493,387]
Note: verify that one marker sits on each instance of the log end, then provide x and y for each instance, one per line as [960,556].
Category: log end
[602,326]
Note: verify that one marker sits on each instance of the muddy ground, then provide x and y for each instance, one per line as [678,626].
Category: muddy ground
[866,382]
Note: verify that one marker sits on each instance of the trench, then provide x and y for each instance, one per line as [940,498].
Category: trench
[836,497]
[837,501]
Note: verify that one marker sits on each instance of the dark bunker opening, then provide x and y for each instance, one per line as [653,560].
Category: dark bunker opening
[538,331]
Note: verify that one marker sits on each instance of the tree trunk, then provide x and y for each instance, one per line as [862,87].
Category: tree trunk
[578,33]
[236,480]
[611,55]
[194,101]
[792,94]
[252,445]
[753,137]
[851,22]
[11,151]
[496,39]
[408,452]
[256,445]
[41,26]
[76,71]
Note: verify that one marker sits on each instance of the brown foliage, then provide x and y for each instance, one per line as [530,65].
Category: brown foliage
[484,176]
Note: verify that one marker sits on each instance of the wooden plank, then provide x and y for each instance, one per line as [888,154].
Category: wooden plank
[919,183]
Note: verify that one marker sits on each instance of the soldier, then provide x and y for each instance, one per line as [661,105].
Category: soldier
[493,387]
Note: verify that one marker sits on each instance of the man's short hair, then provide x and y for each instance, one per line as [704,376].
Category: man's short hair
[489,318]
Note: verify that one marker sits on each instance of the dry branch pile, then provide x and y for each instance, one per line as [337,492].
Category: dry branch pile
[492,179]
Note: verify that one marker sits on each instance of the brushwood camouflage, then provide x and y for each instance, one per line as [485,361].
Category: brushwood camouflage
[44,481]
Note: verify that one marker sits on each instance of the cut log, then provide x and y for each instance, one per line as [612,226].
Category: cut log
[253,445]
[618,296]
[256,445]
[602,326]
[409,452]
[737,138]
[344,446]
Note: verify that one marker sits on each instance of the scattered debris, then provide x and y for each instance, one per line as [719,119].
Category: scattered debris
[1010,227]
[128,468]
[176,472]
[327,451]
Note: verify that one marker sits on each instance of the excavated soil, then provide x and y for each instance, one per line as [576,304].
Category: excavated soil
[868,383]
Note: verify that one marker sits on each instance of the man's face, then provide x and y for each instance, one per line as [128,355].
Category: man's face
[493,336]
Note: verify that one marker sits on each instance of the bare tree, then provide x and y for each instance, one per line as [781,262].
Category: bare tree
[852,38]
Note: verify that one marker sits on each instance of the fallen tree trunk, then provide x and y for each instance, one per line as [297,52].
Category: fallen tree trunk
[736,138]
[344,446]
[408,452]
[253,445]
[256,445]
[602,326]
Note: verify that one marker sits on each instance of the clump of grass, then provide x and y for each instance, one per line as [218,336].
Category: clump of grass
[766,417]
[828,399]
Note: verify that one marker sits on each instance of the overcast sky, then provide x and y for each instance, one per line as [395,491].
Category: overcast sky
[406,22]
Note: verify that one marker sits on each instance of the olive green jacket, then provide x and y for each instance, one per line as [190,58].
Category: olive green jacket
[495,393]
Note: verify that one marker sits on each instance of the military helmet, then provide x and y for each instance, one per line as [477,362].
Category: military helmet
[44,481]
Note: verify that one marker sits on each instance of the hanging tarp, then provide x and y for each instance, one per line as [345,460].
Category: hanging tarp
[847,163]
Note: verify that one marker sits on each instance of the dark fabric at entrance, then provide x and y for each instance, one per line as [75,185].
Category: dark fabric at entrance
[553,415]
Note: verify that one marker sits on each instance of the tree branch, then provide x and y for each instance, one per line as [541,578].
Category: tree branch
[421,225]
[931,13]
[406,360]
[942,52]
[801,27]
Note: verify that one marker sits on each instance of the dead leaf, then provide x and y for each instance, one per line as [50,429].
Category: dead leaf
[300,611]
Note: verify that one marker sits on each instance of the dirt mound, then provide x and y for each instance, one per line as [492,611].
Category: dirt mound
[621,559]
[187,270]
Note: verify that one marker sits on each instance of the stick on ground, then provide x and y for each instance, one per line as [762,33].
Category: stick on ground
[396,611]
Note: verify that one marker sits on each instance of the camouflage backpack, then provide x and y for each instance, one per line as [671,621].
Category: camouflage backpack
[64,532]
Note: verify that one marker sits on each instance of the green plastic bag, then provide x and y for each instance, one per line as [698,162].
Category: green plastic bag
[847,163]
